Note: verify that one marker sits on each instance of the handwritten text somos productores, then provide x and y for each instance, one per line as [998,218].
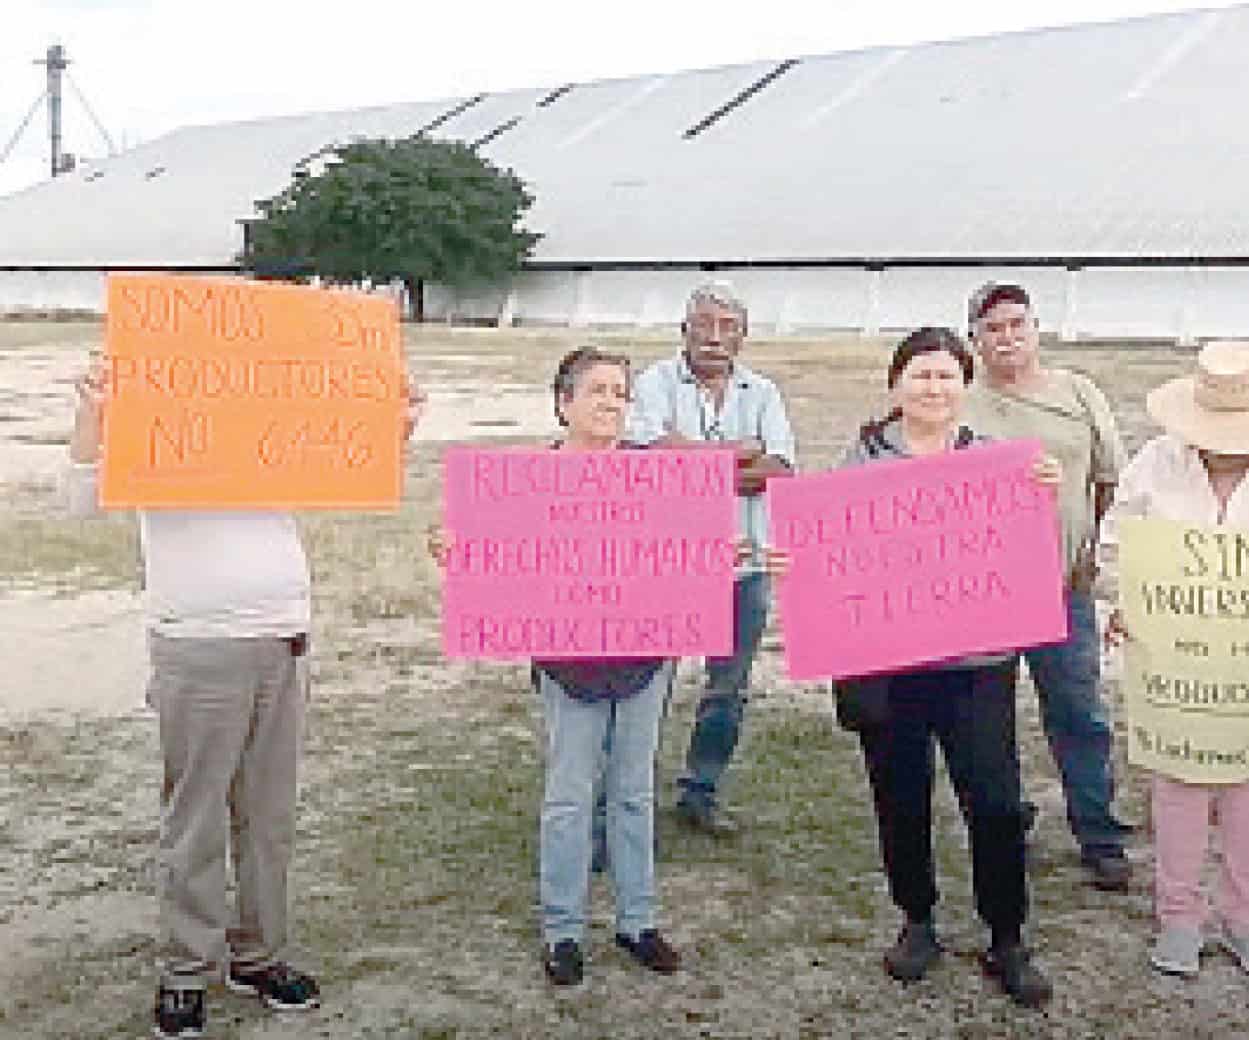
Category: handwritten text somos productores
[227,393]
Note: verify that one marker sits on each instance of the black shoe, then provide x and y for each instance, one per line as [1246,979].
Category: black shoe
[651,950]
[705,816]
[179,1012]
[916,950]
[278,985]
[1011,965]
[1108,871]
[563,963]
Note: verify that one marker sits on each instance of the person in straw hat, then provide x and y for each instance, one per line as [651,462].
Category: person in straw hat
[1194,472]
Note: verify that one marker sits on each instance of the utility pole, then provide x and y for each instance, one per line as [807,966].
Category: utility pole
[61,161]
[56,63]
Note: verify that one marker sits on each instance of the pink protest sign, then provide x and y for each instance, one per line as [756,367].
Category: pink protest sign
[911,561]
[583,554]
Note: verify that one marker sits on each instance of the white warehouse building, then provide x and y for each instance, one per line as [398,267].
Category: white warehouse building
[1103,166]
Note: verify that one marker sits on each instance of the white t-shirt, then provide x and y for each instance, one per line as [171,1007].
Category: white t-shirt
[214,574]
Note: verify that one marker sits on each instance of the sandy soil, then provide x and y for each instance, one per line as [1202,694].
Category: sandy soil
[68,655]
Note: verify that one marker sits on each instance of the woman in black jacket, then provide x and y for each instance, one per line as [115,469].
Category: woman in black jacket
[967,704]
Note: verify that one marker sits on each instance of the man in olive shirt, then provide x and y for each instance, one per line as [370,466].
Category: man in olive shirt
[1016,396]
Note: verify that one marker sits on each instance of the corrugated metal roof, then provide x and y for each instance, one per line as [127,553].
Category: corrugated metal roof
[1122,139]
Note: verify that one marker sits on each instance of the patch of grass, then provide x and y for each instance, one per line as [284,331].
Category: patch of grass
[69,554]
[371,566]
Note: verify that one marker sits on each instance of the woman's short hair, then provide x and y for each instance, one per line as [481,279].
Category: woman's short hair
[576,363]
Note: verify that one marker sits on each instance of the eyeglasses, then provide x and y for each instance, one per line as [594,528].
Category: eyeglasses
[705,325]
[1012,325]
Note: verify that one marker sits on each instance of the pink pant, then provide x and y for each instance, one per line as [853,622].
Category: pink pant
[1181,840]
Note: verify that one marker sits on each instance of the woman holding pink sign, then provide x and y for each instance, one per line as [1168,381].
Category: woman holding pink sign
[967,704]
[584,701]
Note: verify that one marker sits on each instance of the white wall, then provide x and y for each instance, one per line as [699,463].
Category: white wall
[48,290]
[1178,303]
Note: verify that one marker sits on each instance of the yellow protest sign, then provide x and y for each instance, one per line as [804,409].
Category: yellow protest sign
[1184,593]
[226,393]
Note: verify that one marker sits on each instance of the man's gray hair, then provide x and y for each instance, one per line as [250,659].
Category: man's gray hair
[718,292]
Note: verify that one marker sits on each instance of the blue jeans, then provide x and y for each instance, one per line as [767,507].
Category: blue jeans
[575,732]
[598,859]
[1067,677]
[718,720]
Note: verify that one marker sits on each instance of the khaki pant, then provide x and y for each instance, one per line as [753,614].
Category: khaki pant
[231,723]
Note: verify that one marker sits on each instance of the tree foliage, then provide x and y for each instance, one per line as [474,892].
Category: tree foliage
[412,209]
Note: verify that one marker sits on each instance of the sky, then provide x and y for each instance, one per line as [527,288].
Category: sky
[146,67]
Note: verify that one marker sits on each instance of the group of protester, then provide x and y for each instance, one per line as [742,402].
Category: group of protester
[227,607]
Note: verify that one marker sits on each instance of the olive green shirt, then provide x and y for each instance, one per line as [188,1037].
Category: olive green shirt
[1071,417]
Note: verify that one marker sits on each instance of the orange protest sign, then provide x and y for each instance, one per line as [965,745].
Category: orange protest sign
[232,394]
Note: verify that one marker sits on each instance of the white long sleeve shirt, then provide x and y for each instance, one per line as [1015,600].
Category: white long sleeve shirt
[1166,480]
[214,574]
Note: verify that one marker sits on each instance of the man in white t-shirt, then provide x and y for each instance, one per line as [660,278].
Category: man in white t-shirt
[227,607]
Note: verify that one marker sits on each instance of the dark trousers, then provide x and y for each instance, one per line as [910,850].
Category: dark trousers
[971,712]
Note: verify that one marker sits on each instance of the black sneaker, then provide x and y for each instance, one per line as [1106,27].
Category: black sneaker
[563,963]
[278,985]
[179,1012]
[1014,971]
[701,815]
[651,950]
[916,950]
[1108,871]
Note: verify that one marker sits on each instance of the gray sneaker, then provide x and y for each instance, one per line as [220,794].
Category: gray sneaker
[1177,951]
[1237,944]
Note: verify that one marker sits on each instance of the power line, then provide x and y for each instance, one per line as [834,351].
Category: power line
[57,65]
[8,148]
[112,148]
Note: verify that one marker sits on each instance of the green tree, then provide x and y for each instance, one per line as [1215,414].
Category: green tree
[412,209]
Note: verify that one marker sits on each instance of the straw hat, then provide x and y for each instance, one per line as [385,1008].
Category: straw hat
[1210,409]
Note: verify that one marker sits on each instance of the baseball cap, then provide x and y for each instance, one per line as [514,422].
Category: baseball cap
[990,295]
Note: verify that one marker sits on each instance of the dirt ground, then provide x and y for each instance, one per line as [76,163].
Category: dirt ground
[414,875]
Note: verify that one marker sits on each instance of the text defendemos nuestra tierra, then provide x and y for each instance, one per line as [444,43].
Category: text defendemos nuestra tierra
[928,549]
